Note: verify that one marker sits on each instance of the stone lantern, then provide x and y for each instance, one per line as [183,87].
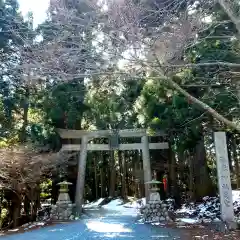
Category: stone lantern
[155,210]
[63,210]
[153,189]
[63,192]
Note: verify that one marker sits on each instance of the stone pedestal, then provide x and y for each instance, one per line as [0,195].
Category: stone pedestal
[155,210]
[63,210]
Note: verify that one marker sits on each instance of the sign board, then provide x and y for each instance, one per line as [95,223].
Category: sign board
[114,140]
[224,181]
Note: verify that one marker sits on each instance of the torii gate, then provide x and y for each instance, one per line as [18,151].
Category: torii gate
[85,136]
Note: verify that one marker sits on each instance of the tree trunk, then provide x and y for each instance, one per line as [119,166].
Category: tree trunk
[16,208]
[104,179]
[120,160]
[96,177]
[54,192]
[112,175]
[27,207]
[23,133]
[136,180]
[181,165]
[35,202]
[133,188]
[126,173]
[172,170]
[135,175]
[203,183]
[102,183]
[191,177]
[235,159]
[228,139]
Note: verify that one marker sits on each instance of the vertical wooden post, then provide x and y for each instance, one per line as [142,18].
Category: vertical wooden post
[224,181]
[146,164]
[81,175]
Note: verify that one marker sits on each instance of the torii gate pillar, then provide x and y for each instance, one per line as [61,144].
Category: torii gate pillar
[146,164]
[81,175]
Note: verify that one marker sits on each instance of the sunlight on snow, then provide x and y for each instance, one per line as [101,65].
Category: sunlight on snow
[114,235]
[107,227]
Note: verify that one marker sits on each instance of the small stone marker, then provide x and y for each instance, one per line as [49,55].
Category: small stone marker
[224,181]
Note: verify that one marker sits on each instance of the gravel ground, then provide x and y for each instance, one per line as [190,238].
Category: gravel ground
[206,233]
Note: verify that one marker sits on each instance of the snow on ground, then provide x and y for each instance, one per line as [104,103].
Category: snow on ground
[136,204]
[190,214]
[206,211]
[94,204]
[33,225]
[188,209]
[114,204]
[187,220]
[209,209]
[24,228]
[236,195]
[118,206]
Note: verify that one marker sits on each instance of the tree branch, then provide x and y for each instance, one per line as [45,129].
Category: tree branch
[230,14]
[199,103]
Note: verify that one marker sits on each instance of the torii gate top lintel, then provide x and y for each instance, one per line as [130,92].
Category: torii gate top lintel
[126,133]
[76,134]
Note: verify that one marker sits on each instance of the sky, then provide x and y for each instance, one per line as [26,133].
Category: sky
[38,7]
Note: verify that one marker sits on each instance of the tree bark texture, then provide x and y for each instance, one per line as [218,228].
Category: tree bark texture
[112,175]
[202,180]
[235,159]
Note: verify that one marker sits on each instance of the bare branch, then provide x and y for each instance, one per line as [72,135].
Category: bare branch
[140,35]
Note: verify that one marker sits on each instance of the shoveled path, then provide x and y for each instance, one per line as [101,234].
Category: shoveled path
[100,224]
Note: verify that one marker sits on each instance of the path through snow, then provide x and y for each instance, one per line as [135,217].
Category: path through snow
[112,221]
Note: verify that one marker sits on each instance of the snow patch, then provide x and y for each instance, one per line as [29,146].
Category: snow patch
[95,204]
[236,195]
[188,220]
[118,206]
[99,226]
[13,230]
[114,204]
[209,209]
[137,204]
